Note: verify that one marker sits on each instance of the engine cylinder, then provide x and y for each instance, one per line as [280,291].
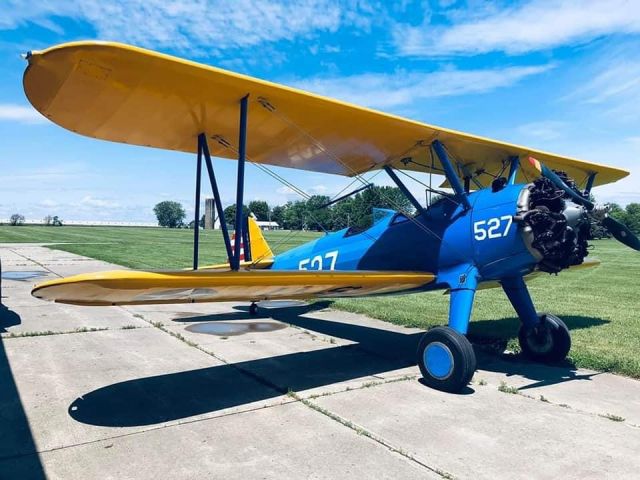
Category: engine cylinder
[555,228]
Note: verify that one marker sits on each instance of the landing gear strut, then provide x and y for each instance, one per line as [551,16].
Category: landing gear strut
[253,309]
[445,356]
[543,337]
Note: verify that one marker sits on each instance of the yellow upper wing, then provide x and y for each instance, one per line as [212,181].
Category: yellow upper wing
[126,94]
[130,287]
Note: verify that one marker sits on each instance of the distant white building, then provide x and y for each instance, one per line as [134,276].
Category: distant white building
[264,225]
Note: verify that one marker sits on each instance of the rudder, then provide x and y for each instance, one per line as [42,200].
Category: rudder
[260,249]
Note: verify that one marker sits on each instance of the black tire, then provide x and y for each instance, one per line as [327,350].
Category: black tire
[253,309]
[446,359]
[547,342]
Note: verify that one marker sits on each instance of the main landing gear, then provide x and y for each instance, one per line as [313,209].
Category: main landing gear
[253,309]
[445,356]
[542,337]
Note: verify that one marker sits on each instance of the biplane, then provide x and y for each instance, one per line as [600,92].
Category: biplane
[509,213]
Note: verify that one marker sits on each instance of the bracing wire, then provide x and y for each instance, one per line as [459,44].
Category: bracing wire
[321,147]
[357,176]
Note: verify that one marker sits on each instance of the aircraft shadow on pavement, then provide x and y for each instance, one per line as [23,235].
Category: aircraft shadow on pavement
[18,457]
[173,396]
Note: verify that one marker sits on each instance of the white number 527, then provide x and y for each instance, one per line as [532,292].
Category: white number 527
[492,228]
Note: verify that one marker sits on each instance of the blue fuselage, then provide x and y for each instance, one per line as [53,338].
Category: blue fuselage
[444,237]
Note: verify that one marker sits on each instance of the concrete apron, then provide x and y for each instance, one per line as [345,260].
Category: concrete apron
[307,391]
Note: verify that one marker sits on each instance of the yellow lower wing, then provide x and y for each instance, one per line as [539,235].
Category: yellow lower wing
[123,287]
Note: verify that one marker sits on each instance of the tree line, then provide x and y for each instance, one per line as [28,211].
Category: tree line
[309,214]
[312,214]
[355,211]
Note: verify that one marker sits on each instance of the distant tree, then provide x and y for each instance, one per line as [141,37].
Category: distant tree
[377,197]
[435,198]
[342,214]
[169,214]
[54,221]
[277,215]
[192,223]
[295,217]
[616,211]
[16,219]
[317,218]
[632,217]
[230,214]
[260,209]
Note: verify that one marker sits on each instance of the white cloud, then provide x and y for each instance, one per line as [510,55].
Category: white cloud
[381,90]
[19,113]
[92,202]
[284,190]
[317,190]
[543,130]
[208,26]
[312,190]
[48,203]
[613,86]
[531,26]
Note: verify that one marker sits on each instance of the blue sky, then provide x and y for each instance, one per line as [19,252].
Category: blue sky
[560,75]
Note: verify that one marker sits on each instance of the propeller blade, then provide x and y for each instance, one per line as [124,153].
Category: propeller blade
[621,232]
[558,182]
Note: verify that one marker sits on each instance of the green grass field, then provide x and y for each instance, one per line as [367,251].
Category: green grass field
[599,305]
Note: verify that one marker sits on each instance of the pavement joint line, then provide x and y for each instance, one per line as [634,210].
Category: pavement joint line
[35,261]
[362,386]
[364,432]
[281,389]
[308,403]
[606,416]
[49,333]
[509,390]
[366,351]
[146,430]
[178,336]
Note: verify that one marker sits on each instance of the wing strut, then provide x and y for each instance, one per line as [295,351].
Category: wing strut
[590,181]
[451,174]
[196,221]
[514,166]
[204,147]
[419,208]
[242,156]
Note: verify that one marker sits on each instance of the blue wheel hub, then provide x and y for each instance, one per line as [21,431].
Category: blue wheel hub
[438,360]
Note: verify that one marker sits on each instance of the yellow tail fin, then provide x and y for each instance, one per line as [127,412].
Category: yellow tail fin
[260,249]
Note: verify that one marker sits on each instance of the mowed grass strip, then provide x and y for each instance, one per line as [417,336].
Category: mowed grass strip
[599,305]
[142,247]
